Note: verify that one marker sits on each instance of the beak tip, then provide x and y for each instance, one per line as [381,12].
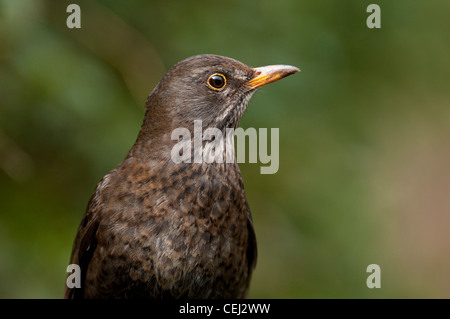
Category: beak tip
[292,69]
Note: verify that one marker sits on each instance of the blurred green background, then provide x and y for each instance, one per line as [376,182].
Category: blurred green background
[364,134]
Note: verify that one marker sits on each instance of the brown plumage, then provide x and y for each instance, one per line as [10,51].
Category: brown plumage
[158,229]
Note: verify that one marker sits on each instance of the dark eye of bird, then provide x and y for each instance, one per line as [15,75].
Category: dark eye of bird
[217,81]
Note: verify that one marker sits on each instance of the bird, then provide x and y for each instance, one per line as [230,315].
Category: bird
[155,228]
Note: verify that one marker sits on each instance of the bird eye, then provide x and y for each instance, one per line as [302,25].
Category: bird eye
[217,81]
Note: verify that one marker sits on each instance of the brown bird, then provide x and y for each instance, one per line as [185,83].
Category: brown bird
[156,228]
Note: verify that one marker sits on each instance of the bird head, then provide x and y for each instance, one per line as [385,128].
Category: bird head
[211,88]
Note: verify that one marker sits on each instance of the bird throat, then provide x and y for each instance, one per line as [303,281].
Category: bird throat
[231,115]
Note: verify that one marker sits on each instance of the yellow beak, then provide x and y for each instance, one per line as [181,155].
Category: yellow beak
[268,74]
